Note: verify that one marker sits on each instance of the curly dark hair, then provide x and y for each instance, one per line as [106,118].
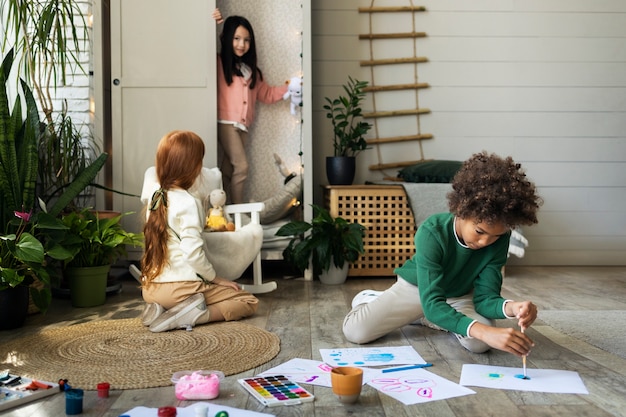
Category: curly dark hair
[492,189]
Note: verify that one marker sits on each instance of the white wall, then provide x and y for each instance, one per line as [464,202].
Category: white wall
[543,81]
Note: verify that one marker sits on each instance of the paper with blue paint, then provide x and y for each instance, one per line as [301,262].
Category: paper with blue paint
[541,380]
[371,356]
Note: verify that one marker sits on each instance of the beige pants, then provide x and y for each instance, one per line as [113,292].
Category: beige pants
[398,306]
[232,160]
[233,305]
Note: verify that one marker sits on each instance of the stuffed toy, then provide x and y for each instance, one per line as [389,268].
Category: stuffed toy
[216,220]
[295,92]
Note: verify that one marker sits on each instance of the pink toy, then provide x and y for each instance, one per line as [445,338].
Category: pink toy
[197,385]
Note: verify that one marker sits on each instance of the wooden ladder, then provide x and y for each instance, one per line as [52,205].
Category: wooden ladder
[373,88]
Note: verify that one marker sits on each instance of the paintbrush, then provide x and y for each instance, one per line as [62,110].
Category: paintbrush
[524,362]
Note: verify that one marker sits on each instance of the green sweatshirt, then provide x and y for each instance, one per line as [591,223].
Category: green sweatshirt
[442,268]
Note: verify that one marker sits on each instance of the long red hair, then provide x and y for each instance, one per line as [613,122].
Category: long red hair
[178,164]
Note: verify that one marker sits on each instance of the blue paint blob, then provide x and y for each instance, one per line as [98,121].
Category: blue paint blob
[359,363]
[520,376]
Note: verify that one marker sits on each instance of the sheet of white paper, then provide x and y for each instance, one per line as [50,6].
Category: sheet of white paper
[541,380]
[417,386]
[371,356]
[303,371]
[307,371]
[190,411]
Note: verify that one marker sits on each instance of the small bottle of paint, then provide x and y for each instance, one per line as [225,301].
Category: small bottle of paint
[201,410]
[166,412]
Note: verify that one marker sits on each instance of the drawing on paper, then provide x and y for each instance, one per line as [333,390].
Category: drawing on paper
[303,371]
[414,386]
[422,387]
[541,380]
[371,356]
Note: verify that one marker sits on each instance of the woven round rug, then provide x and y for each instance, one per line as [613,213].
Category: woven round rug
[127,355]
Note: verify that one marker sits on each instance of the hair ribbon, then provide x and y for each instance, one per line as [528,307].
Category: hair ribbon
[158,197]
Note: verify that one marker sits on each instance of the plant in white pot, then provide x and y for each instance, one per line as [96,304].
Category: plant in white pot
[327,244]
[349,132]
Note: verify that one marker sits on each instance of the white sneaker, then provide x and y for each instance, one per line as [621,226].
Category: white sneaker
[151,312]
[135,272]
[365,296]
[182,315]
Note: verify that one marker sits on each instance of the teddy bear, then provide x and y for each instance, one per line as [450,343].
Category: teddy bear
[216,220]
[294,90]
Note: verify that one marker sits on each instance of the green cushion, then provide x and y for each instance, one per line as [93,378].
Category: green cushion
[430,171]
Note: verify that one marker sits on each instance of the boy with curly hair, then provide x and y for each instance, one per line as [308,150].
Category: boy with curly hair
[453,281]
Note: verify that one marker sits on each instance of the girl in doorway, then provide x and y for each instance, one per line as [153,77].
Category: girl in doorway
[178,282]
[239,86]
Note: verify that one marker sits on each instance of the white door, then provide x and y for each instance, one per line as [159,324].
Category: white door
[163,75]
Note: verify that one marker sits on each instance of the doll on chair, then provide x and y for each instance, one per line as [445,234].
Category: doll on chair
[216,219]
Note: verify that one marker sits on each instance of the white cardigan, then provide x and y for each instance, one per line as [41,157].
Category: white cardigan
[186,210]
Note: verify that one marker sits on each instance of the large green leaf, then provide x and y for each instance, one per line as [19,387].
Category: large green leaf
[80,183]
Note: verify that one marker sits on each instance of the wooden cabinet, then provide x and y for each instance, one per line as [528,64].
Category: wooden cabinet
[385,212]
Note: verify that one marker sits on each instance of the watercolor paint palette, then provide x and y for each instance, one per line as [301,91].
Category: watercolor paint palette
[23,391]
[276,390]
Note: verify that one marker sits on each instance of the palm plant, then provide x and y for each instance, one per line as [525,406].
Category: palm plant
[49,36]
[45,34]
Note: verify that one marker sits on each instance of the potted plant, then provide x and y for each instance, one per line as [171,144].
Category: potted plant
[23,254]
[349,129]
[328,244]
[49,37]
[96,243]
[24,261]
[63,156]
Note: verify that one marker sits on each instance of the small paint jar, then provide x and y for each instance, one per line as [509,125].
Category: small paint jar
[201,410]
[74,401]
[103,389]
[166,412]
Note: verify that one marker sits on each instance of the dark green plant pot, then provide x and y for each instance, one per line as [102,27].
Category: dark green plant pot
[87,285]
[340,169]
[13,307]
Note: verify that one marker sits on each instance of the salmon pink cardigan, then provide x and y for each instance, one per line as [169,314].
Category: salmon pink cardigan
[236,102]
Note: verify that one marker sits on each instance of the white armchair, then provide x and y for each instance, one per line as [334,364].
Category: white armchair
[230,253]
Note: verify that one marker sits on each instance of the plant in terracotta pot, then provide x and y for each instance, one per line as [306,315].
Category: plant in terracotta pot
[96,243]
[349,129]
[325,243]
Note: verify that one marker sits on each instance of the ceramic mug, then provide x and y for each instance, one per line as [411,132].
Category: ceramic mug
[347,382]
